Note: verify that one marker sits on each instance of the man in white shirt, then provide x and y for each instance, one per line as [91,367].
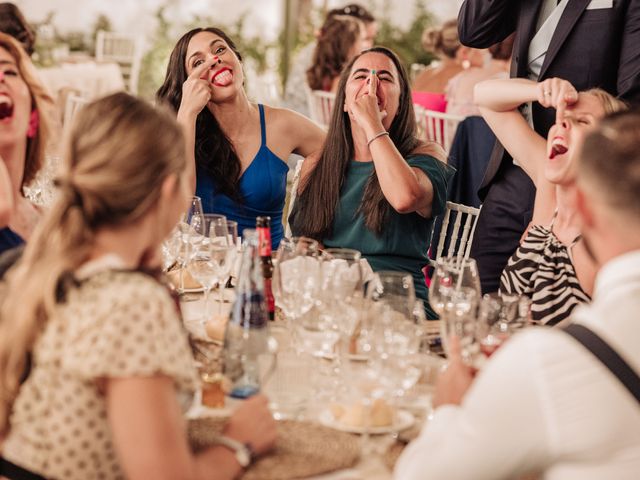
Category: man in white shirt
[544,403]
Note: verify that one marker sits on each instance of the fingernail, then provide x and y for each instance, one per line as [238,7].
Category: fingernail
[373,72]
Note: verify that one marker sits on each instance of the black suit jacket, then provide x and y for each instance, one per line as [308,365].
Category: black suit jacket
[590,48]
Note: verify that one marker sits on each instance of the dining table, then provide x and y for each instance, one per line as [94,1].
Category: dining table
[375,458]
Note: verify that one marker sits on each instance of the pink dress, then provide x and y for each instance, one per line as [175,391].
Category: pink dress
[431,101]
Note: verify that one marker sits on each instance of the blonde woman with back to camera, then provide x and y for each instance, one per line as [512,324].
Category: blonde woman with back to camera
[92,350]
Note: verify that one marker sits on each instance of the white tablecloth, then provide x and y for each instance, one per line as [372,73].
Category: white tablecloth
[371,467]
[90,79]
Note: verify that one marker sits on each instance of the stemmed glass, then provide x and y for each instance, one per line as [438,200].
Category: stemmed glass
[499,317]
[454,294]
[296,279]
[202,265]
[398,349]
[339,300]
[223,253]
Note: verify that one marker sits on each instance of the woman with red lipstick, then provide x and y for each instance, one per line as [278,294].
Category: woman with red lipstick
[375,187]
[238,149]
[551,265]
[23,135]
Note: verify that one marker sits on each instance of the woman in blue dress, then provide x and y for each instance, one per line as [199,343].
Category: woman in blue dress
[23,136]
[238,149]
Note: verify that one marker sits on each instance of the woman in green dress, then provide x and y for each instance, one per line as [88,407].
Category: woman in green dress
[375,186]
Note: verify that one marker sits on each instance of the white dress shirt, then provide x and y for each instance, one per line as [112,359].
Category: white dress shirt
[544,403]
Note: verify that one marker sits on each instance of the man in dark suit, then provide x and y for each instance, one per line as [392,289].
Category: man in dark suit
[590,43]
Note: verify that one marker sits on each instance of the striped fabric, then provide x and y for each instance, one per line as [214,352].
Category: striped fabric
[541,269]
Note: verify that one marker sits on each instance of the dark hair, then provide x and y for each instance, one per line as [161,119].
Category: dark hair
[336,39]
[315,207]
[442,40]
[353,10]
[214,151]
[13,23]
[502,50]
[619,174]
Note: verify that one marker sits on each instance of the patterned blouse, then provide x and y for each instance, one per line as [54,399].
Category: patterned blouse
[114,324]
[542,269]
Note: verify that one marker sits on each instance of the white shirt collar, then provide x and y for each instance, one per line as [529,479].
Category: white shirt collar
[618,274]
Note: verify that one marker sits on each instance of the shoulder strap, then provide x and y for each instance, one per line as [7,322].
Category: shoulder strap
[608,356]
[263,126]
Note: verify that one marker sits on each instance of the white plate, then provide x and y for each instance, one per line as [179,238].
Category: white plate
[403,421]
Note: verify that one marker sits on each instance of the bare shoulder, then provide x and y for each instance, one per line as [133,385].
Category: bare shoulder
[283,117]
[432,149]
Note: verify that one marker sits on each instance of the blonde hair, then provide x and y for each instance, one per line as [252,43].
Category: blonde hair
[442,40]
[41,102]
[120,151]
[610,104]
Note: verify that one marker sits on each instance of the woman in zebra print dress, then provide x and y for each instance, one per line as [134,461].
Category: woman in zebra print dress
[551,265]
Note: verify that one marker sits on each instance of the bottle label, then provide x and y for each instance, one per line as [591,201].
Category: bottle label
[264,241]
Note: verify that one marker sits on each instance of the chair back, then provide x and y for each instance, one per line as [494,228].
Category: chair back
[437,127]
[459,224]
[321,106]
[292,196]
[72,105]
[124,49]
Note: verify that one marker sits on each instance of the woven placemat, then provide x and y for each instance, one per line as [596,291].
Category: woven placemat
[303,449]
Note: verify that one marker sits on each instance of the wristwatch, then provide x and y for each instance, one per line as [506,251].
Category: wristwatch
[243,451]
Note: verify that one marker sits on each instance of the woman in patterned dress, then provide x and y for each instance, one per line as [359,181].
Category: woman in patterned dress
[101,339]
[551,265]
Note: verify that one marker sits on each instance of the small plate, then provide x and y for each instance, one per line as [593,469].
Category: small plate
[403,421]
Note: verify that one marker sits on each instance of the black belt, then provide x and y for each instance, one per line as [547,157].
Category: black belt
[14,472]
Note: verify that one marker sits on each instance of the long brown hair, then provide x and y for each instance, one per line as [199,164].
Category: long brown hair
[315,207]
[12,22]
[114,169]
[41,102]
[214,152]
[335,43]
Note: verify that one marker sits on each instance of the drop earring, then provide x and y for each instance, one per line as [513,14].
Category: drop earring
[34,123]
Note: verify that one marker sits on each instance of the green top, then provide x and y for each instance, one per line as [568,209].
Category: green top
[404,243]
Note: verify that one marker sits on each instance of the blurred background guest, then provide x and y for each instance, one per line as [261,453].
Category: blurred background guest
[25,109]
[237,149]
[341,38]
[108,353]
[375,187]
[552,266]
[459,90]
[443,42]
[546,403]
[295,93]
[13,23]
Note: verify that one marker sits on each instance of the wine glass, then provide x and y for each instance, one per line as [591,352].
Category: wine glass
[296,278]
[339,299]
[194,210]
[499,317]
[203,266]
[223,253]
[454,294]
[400,334]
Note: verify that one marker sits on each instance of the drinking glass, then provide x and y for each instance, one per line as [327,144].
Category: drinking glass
[452,274]
[400,334]
[203,264]
[339,301]
[499,317]
[454,294]
[194,210]
[223,253]
[296,278]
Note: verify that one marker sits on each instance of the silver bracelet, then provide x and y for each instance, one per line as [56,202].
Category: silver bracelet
[381,134]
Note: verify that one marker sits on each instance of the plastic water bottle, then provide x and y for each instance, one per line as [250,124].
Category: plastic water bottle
[247,334]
